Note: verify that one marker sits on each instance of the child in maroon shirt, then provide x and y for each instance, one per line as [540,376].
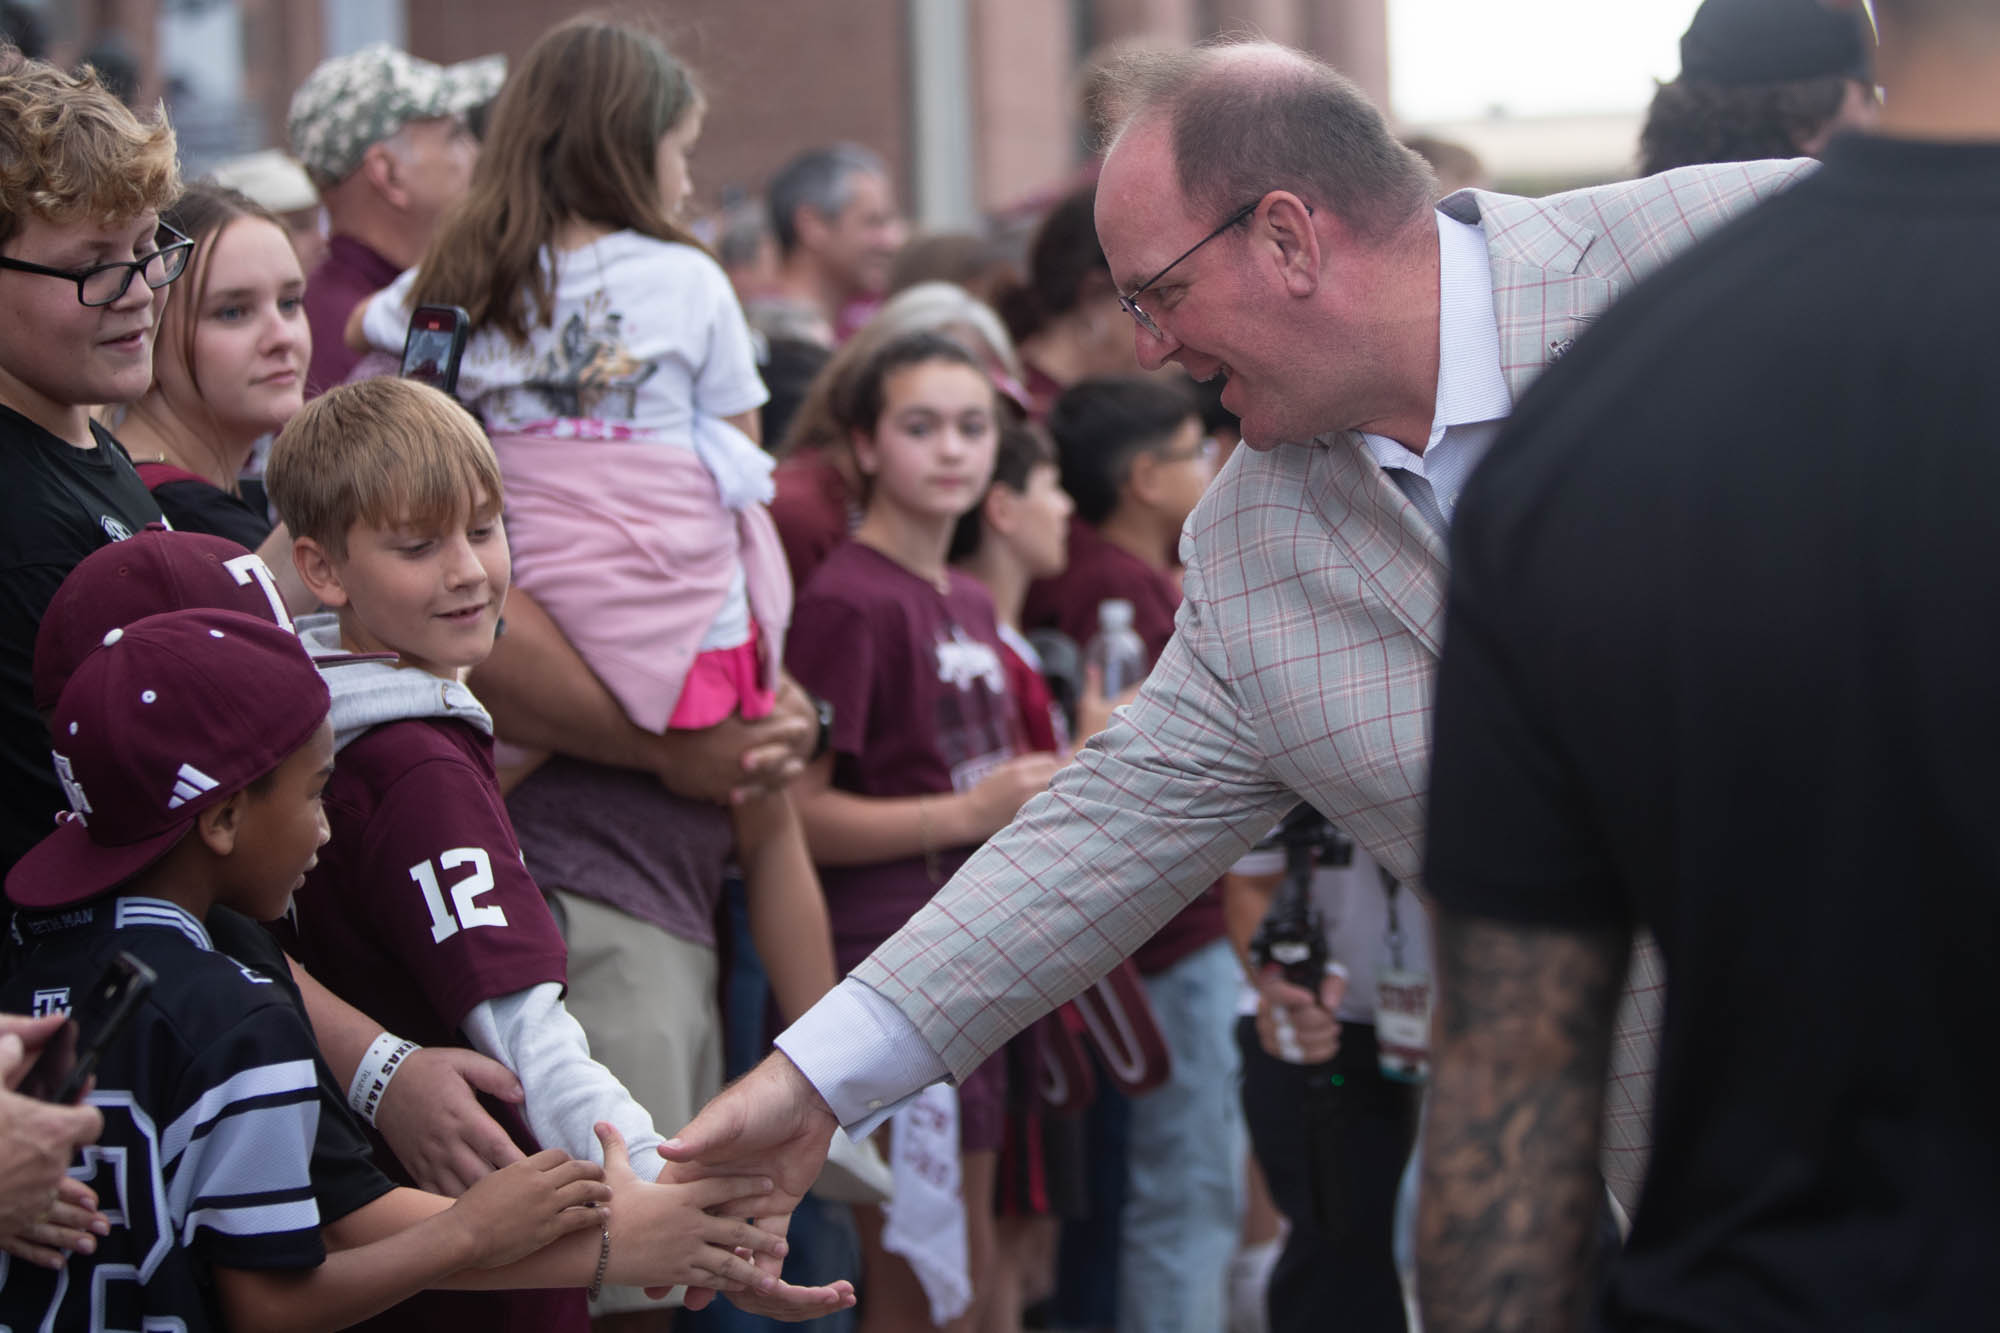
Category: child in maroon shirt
[421,902]
[1017,533]
[1135,460]
[926,760]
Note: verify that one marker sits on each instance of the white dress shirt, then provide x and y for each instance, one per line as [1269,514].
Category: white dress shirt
[857,1048]
[1472,400]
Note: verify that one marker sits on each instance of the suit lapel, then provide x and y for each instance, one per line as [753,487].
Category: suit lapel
[1394,550]
[1540,301]
[1541,304]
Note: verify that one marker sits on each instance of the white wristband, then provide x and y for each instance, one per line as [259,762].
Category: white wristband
[385,1055]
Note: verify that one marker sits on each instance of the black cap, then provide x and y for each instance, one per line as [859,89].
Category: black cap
[1735,42]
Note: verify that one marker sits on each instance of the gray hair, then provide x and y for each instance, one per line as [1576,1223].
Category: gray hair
[821,179]
[744,227]
[1246,118]
[929,307]
[943,307]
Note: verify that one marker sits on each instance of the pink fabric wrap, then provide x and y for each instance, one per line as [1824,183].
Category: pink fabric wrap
[628,546]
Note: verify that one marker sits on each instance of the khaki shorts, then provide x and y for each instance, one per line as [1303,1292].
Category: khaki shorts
[647,1001]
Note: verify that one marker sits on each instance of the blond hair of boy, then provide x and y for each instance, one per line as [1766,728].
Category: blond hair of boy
[378,452]
[393,498]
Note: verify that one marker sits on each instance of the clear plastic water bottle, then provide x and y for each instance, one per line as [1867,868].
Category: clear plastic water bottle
[1116,650]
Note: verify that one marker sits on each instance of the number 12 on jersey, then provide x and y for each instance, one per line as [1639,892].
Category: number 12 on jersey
[465,911]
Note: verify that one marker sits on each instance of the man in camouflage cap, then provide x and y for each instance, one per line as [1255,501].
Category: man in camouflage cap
[383,136]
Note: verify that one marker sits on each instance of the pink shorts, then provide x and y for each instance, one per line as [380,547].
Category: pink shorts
[722,683]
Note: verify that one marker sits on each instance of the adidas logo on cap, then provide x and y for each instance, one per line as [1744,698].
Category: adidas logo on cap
[189,784]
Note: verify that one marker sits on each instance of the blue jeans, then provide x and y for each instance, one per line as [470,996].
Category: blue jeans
[1184,1190]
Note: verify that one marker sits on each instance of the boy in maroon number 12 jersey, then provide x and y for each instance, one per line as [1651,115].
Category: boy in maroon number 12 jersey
[421,904]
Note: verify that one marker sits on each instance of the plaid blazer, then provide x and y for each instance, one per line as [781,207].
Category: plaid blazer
[1301,667]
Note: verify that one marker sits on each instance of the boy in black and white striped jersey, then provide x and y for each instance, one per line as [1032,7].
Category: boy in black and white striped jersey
[193,747]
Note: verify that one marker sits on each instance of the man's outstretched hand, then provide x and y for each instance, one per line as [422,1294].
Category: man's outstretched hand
[771,1122]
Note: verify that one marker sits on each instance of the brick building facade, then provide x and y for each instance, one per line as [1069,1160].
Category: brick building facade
[783,74]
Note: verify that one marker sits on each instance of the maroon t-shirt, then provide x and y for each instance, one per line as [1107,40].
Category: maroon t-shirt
[920,704]
[1099,571]
[1043,726]
[350,274]
[618,837]
[419,909]
[813,509]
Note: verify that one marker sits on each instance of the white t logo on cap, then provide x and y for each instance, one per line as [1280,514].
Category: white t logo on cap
[252,567]
[72,789]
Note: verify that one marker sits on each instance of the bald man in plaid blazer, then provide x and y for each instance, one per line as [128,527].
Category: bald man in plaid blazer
[1302,663]
[1300,669]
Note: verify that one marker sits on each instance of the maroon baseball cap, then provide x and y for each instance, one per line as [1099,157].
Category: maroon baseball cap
[153,571]
[168,716]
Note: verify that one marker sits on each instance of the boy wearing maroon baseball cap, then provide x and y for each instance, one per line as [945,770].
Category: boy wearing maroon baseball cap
[161,570]
[156,570]
[193,747]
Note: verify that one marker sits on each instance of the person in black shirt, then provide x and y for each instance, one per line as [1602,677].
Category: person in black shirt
[1720,649]
[82,253]
[58,504]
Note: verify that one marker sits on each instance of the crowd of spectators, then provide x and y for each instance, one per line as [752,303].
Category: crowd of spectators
[469,784]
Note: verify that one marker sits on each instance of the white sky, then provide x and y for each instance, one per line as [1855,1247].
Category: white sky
[1456,59]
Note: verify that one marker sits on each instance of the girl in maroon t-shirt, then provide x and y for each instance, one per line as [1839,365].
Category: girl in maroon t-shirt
[926,758]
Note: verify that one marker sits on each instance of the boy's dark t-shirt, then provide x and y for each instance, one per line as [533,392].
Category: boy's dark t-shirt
[211,1101]
[58,503]
[1098,570]
[420,909]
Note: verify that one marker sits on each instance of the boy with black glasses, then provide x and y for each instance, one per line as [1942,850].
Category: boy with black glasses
[83,267]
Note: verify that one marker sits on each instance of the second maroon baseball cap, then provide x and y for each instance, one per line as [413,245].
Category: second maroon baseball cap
[153,571]
[168,716]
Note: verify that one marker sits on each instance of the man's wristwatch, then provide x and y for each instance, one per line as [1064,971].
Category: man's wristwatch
[823,710]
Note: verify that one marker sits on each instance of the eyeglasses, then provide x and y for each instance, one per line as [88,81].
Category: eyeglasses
[107,282]
[1207,450]
[1131,303]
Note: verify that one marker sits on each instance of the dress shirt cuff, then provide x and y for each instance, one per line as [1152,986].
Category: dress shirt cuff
[862,1054]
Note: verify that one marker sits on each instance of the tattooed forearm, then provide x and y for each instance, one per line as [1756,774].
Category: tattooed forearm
[1511,1191]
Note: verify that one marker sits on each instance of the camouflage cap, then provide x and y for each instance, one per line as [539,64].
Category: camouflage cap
[362,98]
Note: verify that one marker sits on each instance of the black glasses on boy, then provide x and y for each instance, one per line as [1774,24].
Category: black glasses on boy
[107,282]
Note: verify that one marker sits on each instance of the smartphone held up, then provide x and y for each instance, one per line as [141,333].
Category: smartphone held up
[433,346]
[62,1072]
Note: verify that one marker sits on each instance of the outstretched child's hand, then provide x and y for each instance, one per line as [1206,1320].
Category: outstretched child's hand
[521,1208]
[663,1236]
